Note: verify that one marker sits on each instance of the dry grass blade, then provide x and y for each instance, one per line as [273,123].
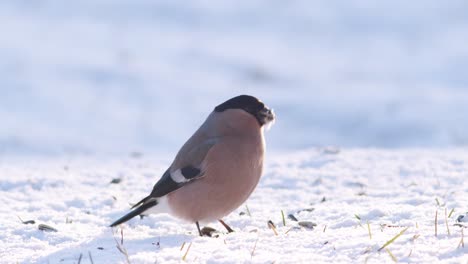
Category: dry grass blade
[248,211]
[182,247]
[90,257]
[462,243]
[253,249]
[393,239]
[369,230]
[446,222]
[123,251]
[186,252]
[282,216]
[435,224]
[451,212]
[80,257]
[391,255]
[288,230]
[415,237]
[121,247]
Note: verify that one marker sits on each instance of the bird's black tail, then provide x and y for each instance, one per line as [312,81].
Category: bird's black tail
[137,211]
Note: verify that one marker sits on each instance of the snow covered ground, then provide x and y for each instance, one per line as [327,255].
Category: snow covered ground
[344,192]
[113,76]
[97,90]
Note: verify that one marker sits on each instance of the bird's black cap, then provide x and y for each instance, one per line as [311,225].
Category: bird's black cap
[251,105]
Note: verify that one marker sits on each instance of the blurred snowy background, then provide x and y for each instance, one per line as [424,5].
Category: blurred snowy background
[102,76]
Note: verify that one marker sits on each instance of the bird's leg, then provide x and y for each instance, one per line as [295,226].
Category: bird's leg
[228,228]
[198,227]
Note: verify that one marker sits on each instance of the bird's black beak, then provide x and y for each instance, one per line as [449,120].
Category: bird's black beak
[265,116]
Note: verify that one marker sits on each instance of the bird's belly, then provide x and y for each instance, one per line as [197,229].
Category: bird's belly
[212,198]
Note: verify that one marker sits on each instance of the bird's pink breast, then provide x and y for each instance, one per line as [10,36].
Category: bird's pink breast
[232,170]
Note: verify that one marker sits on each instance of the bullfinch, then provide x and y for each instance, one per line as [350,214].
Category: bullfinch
[217,169]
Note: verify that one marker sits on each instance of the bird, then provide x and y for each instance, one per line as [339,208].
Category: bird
[216,170]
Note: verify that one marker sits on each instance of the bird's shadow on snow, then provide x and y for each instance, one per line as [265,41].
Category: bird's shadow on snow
[105,248]
[151,235]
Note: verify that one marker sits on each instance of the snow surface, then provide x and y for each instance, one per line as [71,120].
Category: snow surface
[118,76]
[390,190]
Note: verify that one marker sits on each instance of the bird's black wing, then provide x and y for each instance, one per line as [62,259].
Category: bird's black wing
[168,184]
[171,181]
[164,186]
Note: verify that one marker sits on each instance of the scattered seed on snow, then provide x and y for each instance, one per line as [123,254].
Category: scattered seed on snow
[292,217]
[209,231]
[27,222]
[116,180]
[306,210]
[271,224]
[463,218]
[44,227]
[307,224]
